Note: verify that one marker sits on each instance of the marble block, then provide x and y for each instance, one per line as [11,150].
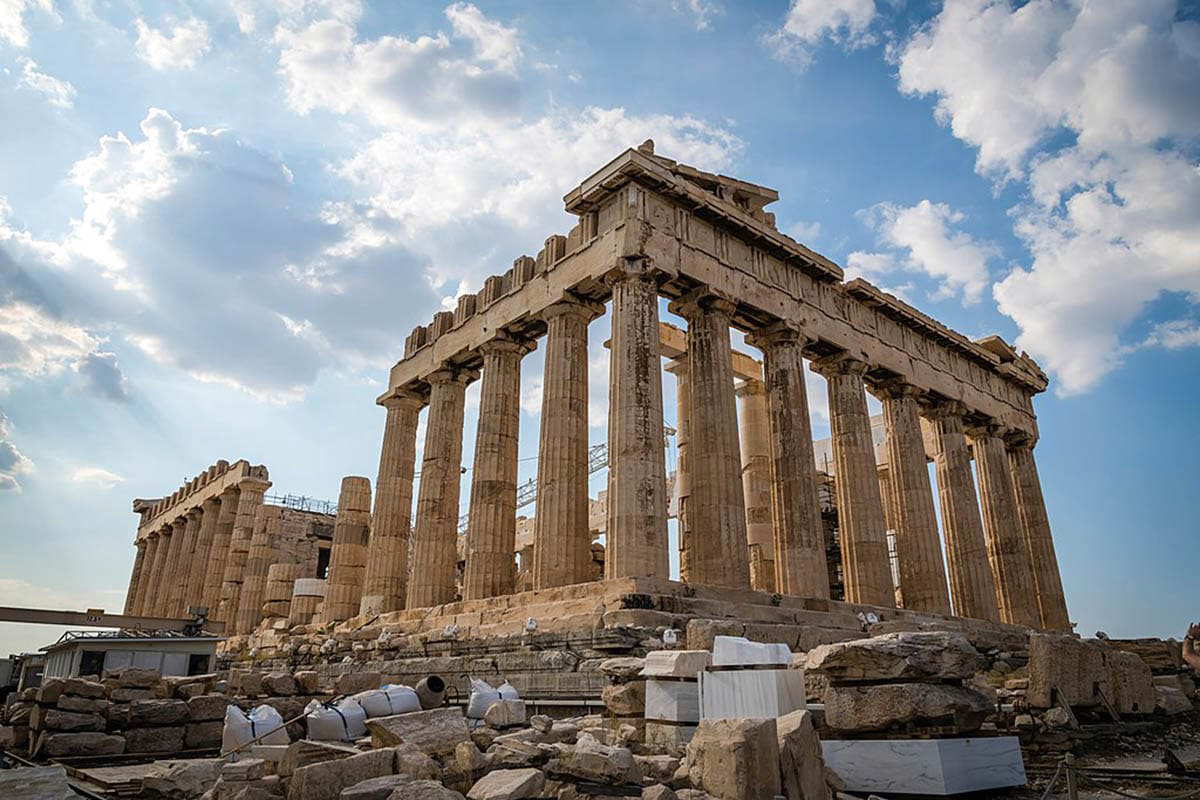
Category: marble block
[673,701]
[664,736]
[926,766]
[766,693]
[738,651]
[675,663]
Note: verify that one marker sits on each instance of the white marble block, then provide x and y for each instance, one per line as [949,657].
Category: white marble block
[675,663]
[738,651]
[926,766]
[673,701]
[767,693]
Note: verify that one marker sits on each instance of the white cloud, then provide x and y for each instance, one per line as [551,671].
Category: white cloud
[1174,335]
[13,462]
[96,476]
[1094,106]
[59,93]
[803,231]
[12,19]
[846,22]
[493,42]
[701,11]
[179,48]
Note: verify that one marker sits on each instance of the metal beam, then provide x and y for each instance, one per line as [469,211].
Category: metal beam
[97,618]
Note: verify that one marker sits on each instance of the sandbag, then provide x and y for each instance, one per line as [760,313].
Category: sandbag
[482,696]
[388,700]
[508,692]
[240,728]
[343,722]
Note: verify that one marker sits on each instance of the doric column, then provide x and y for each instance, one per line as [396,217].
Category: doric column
[258,560]
[250,497]
[756,483]
[281,580]
[1031,509]
[636,538]
[214,574]
[1015,592]
[971,585]
[491,568]
[918,546]
[800,563]
[170,597]
[348,555]
[865,567]
[202,552]
[562,552]
[308,594]
[718,554]
[148,589]
[187,563]
[135,576]
[435,537]
[683,473]
[387,553]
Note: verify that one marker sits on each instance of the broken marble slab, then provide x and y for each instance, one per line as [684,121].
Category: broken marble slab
[926,766]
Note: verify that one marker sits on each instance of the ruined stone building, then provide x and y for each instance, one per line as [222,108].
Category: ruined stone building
[749,497]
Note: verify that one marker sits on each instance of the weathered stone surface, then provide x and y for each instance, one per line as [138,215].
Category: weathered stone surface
[658,792]
[909,655]
[53,719]
[132,677]
[154,740]
[281,684]
[801,765]
[50,690]
[505,714]
[124,694]
[415,764]
[83,688]
[207,707]
[874,708]
[436,732]
[668,738]
[675,663]
[327,779]
[374,788]
[657,767]
[1132,683]
[81,705]
[355,682]
[625,699]
[203,735]
[246,683]
[593,761]
[36,783]
[308,681]
[244,769]
[515,754]
[624,667]
[157,712]
[541,722]
[508,784]
[54,745]
[469,759]
[735,759]
[181,780]
[12,737]
[306,752]
[1171,701]
[423,790]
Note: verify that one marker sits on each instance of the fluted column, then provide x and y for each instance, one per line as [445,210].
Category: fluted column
[971,585]
[435,537]
[170,598]
[250,497]
[492,529]
[202,552]
[384,583]
[348,554]
[186,562]
[148,589]
[683,472]
[214,574]
[135,576]
[636,538]
[718,553]
[1031,509]
[918,545]
[258,560]
[799,535]
[756,483]
[562,552]
[866,571]
[1016,599]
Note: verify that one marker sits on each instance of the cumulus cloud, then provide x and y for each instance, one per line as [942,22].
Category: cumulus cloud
[13,463]
[846,22]
[102,376]
[803,231]
[178,48]
[1174,335]
[12,19]
[58,93]
[1093,107]
[96,476]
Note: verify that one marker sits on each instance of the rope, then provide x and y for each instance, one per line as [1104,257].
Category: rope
[1053,781]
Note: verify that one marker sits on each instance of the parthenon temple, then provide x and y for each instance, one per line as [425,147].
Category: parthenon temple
[746,489]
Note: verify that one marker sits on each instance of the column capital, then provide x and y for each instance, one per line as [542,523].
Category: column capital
[505,342]
[572,305]
[678,366]
[778,332]
[942,409]
[985,430]
[211,504]
[250,484]
[750,387]
[703,299]
[402,398]
[896,388]
[193,513]
[452,374]
[840,364]
[1020,440]
[633,269]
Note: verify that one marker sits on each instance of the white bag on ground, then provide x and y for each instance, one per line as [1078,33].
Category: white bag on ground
[508,692]
[241,728]
[391,699]
[343,722]
[482,696]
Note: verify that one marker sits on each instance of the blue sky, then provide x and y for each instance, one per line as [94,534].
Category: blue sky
[219,220]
